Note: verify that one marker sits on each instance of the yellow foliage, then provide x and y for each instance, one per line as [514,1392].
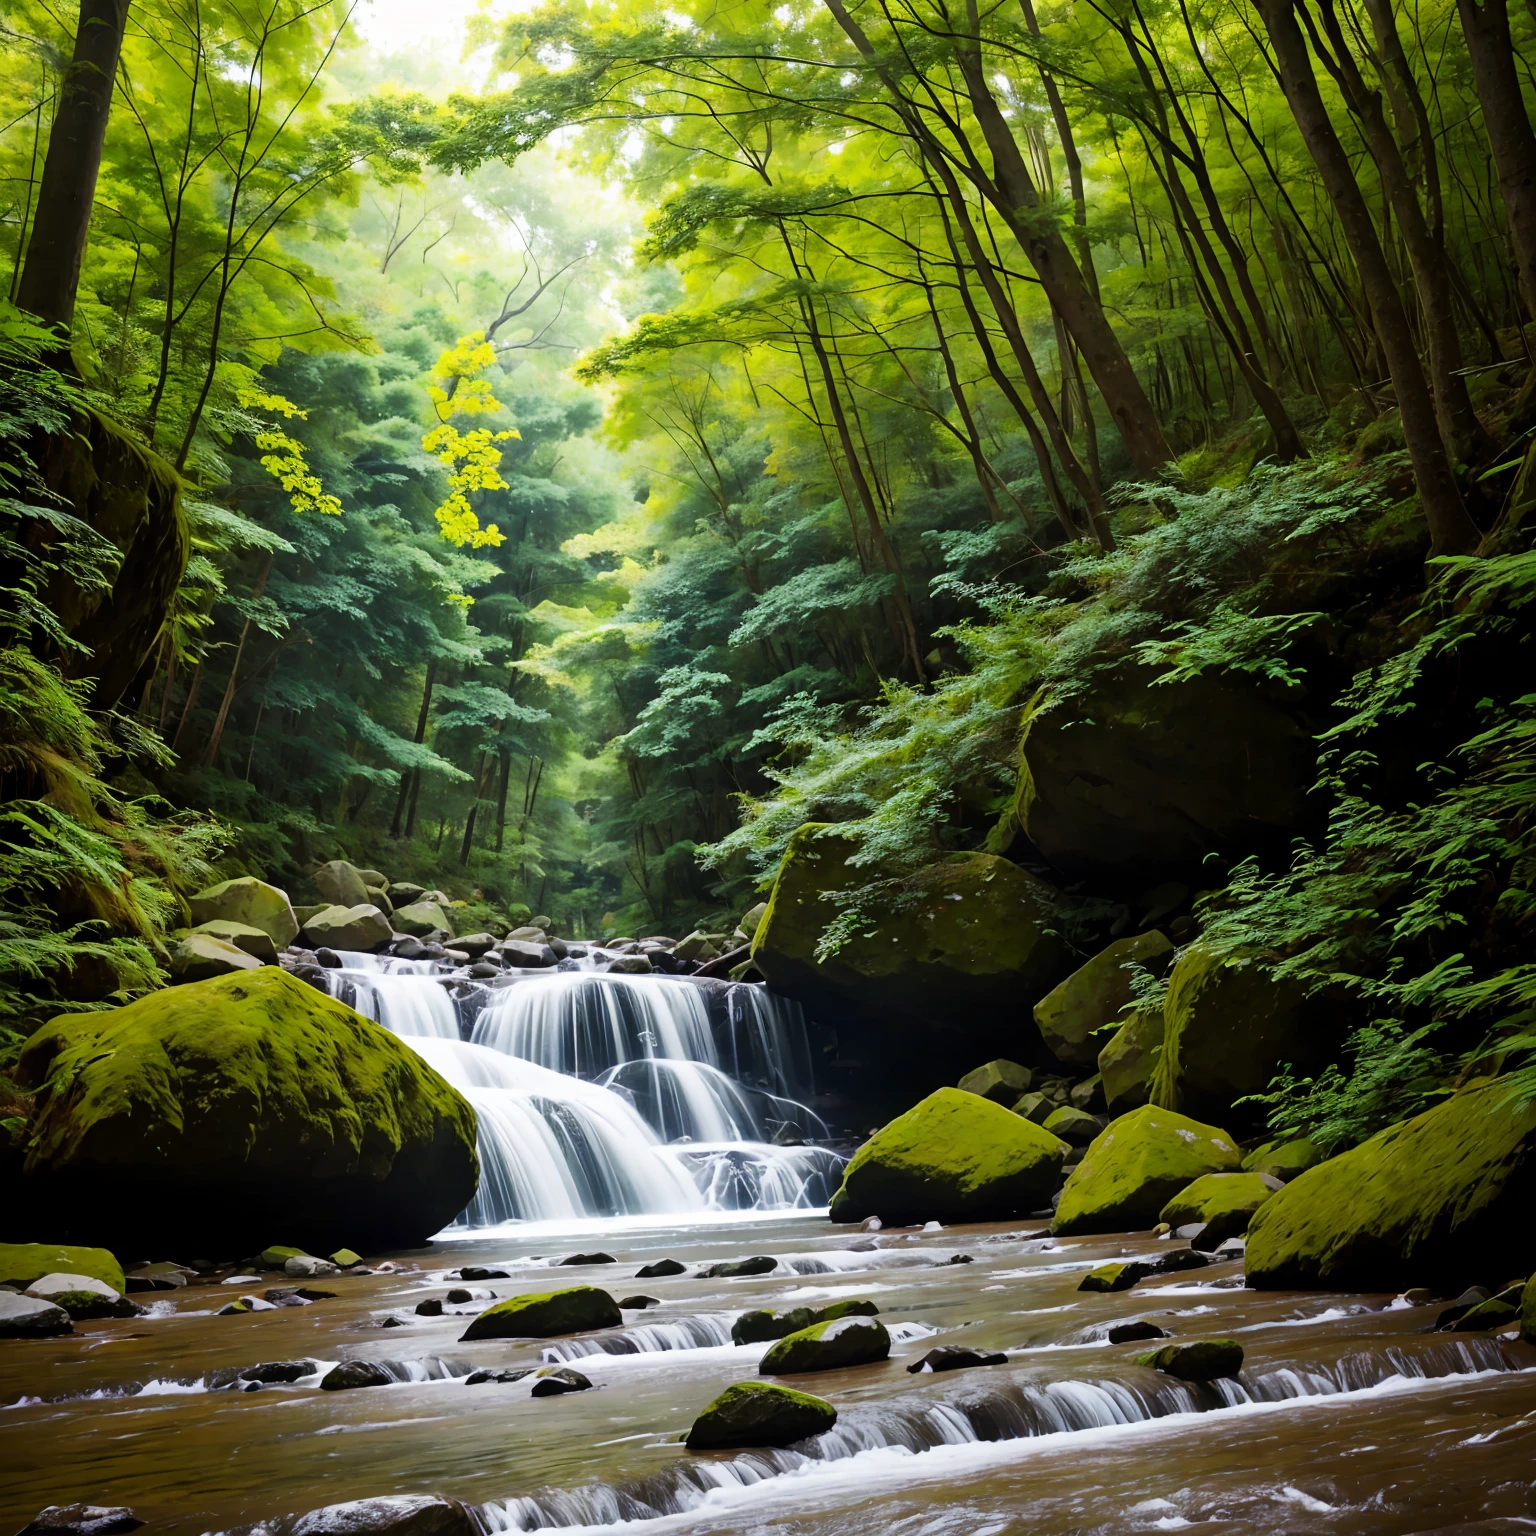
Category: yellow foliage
[472,458]
[283,457]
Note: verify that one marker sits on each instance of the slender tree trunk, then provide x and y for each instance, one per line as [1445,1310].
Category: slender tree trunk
[1451,529]
[234,672]
[50,278]
[408,780]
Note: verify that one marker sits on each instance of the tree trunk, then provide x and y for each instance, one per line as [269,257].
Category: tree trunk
[234,672]
[408,779]
[1451,529]
[1486,28]
[56,251]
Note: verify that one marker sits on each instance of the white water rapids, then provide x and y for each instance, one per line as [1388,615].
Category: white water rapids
[610,1095]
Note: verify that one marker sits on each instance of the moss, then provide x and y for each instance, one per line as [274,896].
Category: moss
[1113,1277]
[1001,1081]
[828,1346]
[760,1413]
[1095,995]
[1128,1062]
[22,1263]
[1284,1159]
[977,936]
[1216,1194]
[1203,1360]
[276,1257]
[546,1315]
[249,901]
[1528,1311]
[762,1327]
[1229,1027]
[211,1114]
[953,1157]
[1136,1166]
[1440,1200]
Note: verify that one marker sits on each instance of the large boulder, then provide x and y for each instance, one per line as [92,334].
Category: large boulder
[763,1327]
[828,1347]
[760,1413]
[546,1315]
[248,901]
[341,884]
[421,918]
[23,1263]
[1228,1198]
[1129,781]
[1095,995]
[30,1317]
[1229,1027]
[401,1514]
[1442,1200]
[1136,1167]
[356,928]
[1004,1082]
[202,956]
[202,1118]
[969,948]
[1127,1063]
[953,1157]
[256,942]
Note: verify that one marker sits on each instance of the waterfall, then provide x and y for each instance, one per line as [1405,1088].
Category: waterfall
[612,1095]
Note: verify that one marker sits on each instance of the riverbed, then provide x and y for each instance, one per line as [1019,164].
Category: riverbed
[1350,1415]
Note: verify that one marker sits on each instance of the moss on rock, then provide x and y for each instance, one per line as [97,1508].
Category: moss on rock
[251,902]
[1224,1195]
[546,1315]
[1136,1166]
[976,944]
[1229,1027]
[209,1115]
[22,1263]
[1440,1200]
[1283,1160]
[760,1413]
[1095,995]
[763,1327]
[1127,1063]
[829,1346]
[953,1157]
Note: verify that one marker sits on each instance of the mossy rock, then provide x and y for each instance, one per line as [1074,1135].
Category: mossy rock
[763,1327]
[547,1315]
[1074,1126]
[420,918]
[759,1413]
[1214,1196]
[1114,1277]
[1136,1166]
[1094,996]
[22,1263]
[276,1257]
[341,884]
[1199,1361]
[1127,782]
[1127,1063]
[202,956]
[1283,1160]
[1440,1200]
[250,902]
[128,494]
[976,942]
[196,1118]
[1229,1027]
[954,1157]
[361,928]
[256,942]
[1001,1081]
[1528,1311]
[830,1346]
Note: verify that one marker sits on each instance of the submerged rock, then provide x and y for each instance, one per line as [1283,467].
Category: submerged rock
[759,1413]
[732,1269]
[354,1373]
[1441,1199]
[1114,1277]
[660,1270]
[763,1327]
[546,1316]
[953,1157]
[81,1520]
[1204,1360]
[590,1258]
[955,1357]
[556,1380]
[638,1303]
[29,1317]
[1136,1166]
[192,1116]
[1134,1333]
[498,1377]
[396,1515]
[828,1346]
[1095,995]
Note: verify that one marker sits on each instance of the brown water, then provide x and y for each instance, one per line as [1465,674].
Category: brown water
[1349,1416]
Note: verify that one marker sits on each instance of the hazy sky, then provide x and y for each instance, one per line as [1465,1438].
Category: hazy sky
[399,24]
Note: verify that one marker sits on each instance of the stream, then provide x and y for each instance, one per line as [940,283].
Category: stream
[1350,1414]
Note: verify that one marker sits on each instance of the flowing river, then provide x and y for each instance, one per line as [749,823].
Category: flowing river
[1350,1414]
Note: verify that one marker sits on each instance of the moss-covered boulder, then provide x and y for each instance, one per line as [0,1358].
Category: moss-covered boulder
[1114,1277]
[1229,1026]
[831,1346]
[202,956]
[1129,781]
[248,901]
[256,942]
[1230,1198]
[1136,1166]
[1201,1360]
[23,1263]
[1128,1061]
[1094,996]
[763,1327]
[954,1157]
[1074,1126]
[546,1315]
[1441,1200]
[341,884]
[421,918]
[1004,1082]
[203,1118]
[1283,1160]
[362,928]
[760,1413]
[970,948]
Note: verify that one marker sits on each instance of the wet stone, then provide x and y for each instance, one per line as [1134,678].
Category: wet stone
[499,1377]
[733,1269]
[27,1317]
[481,1272]
[1204,1360]
[432,1307]
[590,1258]
[268,1374]
[638,1303]
[81,1520]
[955,1357]
[1114,1277]
[759,1413]
[355,1373]
[555,1381]
[660,1269]
[1134,1333]
[400,1515]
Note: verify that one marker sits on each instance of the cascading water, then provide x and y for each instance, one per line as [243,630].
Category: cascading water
[614,1095]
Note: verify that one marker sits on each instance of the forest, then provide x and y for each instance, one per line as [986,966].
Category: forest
[603,452]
